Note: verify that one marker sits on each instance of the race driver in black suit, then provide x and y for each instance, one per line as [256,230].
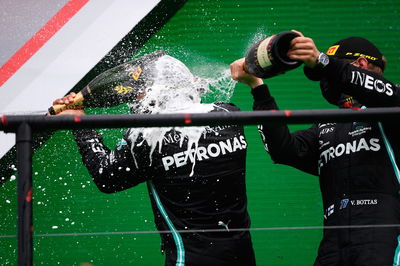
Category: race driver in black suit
[357,163]
[198,193]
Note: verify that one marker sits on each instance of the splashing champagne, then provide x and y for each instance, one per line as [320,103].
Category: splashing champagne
[115,86]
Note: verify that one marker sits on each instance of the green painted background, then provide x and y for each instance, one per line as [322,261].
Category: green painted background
[74,223]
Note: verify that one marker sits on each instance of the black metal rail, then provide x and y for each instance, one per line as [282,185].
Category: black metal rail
[11,123]
[25,125]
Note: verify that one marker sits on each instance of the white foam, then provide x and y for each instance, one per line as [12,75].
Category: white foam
[176,90]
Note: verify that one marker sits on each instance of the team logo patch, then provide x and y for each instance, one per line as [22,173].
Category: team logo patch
[332,50]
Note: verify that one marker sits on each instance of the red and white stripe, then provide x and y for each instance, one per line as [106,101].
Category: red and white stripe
[67,47]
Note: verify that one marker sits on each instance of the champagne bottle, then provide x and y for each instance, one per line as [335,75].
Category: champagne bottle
[118,85]
[268,57]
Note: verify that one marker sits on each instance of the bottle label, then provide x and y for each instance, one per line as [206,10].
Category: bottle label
[77,104]
[262,53]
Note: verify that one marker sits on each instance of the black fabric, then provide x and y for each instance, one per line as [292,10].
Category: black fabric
[357,178]
[374,245]
[225,252]
[339,78]
[213,197]
[354,47]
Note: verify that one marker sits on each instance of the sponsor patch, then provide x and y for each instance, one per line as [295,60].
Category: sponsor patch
[371,83]
[326,130]
[322,144]
[359,130]
[348,148]
[343,203]
[122,89]
[212,150]
[332,50]
[362,55]
[320,125]
[136,74]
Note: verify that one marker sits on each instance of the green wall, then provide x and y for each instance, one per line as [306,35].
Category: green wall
[75,223]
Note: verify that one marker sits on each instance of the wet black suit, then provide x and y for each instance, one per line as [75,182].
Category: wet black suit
[214,197]
[356,164]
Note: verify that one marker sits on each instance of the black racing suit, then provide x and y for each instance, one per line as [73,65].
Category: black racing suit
[213,198]
[357,168]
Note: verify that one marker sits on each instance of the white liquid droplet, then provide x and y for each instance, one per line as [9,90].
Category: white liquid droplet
[174,90]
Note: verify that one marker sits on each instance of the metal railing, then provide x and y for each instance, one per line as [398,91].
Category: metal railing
[25,125]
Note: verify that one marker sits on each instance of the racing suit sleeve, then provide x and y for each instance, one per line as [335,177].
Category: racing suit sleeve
[297,149]
[369,88]
[111,170]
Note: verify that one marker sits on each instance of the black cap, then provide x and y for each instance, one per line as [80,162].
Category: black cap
[354,47]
